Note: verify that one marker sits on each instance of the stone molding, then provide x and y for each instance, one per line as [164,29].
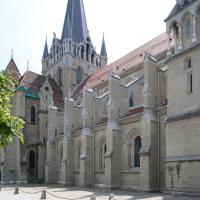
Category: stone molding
[184,115]
[182,158]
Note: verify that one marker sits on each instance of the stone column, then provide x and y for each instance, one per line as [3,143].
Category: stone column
[67,165]
[149,150]
[113,135]
[180,37]
[87,137]
[51,162]
[194,38]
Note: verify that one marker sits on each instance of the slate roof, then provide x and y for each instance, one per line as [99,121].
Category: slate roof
[178,7]
[57,93]
[129,61]
[76,21]
[33,82]
[80,87]
[12,68]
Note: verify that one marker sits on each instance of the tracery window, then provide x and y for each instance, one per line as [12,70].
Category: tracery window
[134,146]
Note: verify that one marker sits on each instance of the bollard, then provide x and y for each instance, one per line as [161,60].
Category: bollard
[16,191]
[43,195]
[0,189]
[111,196]
[92,197]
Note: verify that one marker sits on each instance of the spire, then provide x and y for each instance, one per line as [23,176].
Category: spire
[76,21]
[103,48]
[46,51]
[11,53]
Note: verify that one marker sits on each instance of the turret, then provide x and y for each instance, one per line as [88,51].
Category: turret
[45,57]
[103,54]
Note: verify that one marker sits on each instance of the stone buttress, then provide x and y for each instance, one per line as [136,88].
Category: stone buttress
[149,151]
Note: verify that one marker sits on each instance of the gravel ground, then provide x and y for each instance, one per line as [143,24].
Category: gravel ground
[56,192]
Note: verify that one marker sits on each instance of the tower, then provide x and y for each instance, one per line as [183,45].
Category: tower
[73,57]
[182,134]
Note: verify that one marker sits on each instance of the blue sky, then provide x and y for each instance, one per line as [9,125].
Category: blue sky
[127,24]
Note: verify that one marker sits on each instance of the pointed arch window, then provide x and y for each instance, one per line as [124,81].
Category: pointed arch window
[137,147]
[33,114]
[87,51]
[131,102]
[188,29]
[60,77]
[32,160]
[102,152]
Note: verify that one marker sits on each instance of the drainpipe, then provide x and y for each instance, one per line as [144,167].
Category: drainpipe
[94,122]
[158,115]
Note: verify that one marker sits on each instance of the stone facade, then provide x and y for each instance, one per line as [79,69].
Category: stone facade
[131,124]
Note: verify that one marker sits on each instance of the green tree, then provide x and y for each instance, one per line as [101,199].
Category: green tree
[10,126]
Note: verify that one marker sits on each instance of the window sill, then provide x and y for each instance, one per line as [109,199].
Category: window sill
[135,170]
[100,171]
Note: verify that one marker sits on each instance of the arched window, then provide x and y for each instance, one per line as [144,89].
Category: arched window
[131,102]
[188,29]
[60,77]
[32,160]
[87,51]
[82,53]
[102,152]
[33,114]
[137,147]
[78,75]
[93,57]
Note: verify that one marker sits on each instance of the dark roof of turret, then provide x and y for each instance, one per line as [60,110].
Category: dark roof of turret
[75,20]
[179,6]
[12,68]
[32,82]
[46,51]
[103,48]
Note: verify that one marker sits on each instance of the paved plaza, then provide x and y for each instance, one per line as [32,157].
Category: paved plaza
[55,192]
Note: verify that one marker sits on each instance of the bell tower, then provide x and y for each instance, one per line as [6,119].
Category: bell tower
[73,57]
[182,134]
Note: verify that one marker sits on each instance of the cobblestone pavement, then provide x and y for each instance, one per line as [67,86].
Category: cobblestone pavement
[55,192]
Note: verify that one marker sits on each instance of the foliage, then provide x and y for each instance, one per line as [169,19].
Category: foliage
[10,125]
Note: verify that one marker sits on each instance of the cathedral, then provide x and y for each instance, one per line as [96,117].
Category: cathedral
[132,124]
